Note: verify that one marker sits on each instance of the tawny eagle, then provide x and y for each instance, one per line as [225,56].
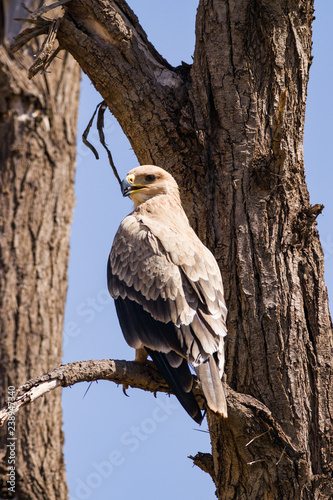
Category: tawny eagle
[168,290]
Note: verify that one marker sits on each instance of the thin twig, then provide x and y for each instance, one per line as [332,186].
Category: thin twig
[86,133]
[46,52]
[277,463]
[28,34]
[49,61]
[46,8]
[100,109]
[256,461]
[257,437]
[100,126]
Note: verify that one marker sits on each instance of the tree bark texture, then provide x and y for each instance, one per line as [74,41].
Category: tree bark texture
[37,159]
[230,129]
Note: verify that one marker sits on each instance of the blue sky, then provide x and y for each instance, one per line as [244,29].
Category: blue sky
[137,446]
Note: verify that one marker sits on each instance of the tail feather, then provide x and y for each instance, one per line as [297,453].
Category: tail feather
[180,381]
[208,374]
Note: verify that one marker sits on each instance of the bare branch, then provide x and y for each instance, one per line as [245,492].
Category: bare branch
[145,377]
[47,52]
[28,34]
[128,373]
[47,8]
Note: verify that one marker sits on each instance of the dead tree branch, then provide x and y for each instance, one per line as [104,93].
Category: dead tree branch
[128,373]
[140,376]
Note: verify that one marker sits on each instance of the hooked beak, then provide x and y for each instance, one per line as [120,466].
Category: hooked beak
[128,188]
[125,187]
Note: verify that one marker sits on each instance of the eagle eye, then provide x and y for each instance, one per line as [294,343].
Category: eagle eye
[150,178]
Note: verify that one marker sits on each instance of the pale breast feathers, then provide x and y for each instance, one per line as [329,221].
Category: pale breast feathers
[162,265]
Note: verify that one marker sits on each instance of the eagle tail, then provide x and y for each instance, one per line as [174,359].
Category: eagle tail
[175,378]
[208,374]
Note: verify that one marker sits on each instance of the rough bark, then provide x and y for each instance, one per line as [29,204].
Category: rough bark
[230,129]
[37,158]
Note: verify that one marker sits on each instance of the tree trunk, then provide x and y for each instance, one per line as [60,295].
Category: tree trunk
[230,129]
[37,158]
